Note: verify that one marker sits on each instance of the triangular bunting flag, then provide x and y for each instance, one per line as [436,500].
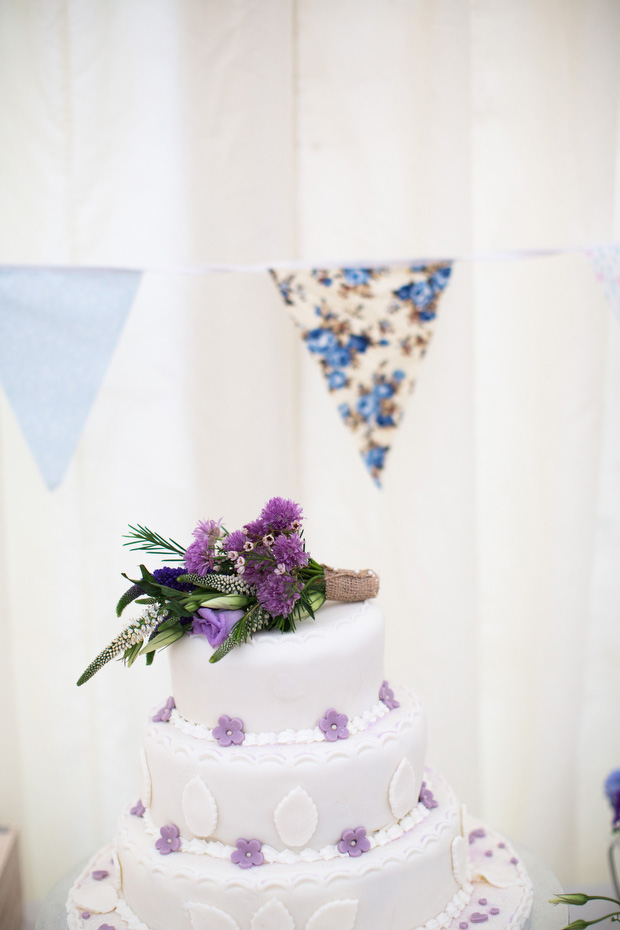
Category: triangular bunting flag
[58,330]
[368,328]
[605,261]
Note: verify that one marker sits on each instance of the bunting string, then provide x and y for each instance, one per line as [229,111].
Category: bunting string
[366,323]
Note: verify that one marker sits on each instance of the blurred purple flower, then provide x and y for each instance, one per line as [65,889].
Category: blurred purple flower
[138,809]
[163,715]
[387,696]
[426,797]
[612,790]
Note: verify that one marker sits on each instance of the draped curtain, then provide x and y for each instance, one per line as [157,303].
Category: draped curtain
[172,133]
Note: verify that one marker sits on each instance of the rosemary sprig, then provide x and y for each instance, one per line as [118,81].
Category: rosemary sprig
[146,540]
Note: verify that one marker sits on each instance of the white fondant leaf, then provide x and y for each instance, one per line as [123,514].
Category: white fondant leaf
[205,917]
[296,817]
[98,897]
[273,916]
[402,793]
[199,808]
[337,915]
[460,863]
[146,779]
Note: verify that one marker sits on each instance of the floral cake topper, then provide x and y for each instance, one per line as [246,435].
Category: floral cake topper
[230,586]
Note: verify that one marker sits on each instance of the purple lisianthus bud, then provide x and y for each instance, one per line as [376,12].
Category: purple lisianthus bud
[215,624]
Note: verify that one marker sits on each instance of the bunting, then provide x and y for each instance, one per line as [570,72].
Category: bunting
[58,330]
[605,260]
[368,329]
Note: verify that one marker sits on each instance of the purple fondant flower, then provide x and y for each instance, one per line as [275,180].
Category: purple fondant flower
[100,874]
[230,730]
[477,834]
[612,790]
[334,725]
[163,714]
[247,854]
[138,809]
[387,696]
[169,840]
[426,797]
[215,624]
[354,842]
[106,927]
[279,513]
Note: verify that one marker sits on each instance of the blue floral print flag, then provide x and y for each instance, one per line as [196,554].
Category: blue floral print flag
[368,328]
[605,261]
[58,330]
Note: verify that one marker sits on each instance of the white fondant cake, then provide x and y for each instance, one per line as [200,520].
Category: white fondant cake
[286,790]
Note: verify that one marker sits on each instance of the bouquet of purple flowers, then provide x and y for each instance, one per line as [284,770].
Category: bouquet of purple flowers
[230,585]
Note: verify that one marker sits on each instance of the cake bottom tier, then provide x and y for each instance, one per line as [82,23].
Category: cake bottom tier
[429,877]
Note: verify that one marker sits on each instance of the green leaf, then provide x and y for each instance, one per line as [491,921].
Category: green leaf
[132,654]
[150,658]
[142,538]
[163,639]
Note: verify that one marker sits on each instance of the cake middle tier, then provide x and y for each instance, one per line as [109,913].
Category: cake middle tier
[289,794]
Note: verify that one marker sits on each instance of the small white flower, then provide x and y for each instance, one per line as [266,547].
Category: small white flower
[233,555]
[248,545]
[245,531]
[296,524]
[240,569]
[280,570]
[240,563]
[268,540]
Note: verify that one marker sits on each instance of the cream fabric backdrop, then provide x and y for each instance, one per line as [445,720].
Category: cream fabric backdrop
[175,132]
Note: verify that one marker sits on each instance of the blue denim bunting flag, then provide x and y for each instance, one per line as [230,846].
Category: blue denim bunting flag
[58,330]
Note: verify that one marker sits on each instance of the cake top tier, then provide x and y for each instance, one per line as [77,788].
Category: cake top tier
[285,681]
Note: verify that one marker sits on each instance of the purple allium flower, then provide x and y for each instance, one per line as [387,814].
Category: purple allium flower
[277,593]
[163,715]
[199,557]
[247,854]
[138,809]
[234,541]
[230,730]
[168,576]
[387,696]
[612,790]
[100,874]
[426,797]
[334,725]
[215,624]
[169,841]
[278,513]
[354,842]
[255,529]
[289,550]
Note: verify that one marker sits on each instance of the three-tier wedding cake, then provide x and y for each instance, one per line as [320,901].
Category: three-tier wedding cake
[285,788]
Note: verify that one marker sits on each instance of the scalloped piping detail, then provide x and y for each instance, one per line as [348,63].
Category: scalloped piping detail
[342,749]
[310,631]
[383,837]
[286,737]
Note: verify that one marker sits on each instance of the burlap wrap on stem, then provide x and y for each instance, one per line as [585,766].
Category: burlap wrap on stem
[342,584]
